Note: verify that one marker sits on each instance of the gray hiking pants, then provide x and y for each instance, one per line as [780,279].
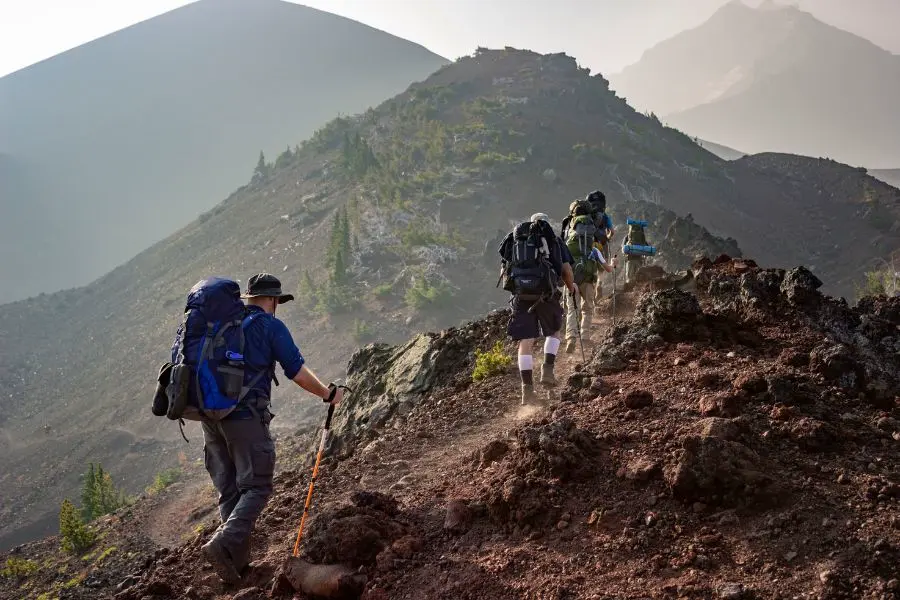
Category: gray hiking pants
[240,458]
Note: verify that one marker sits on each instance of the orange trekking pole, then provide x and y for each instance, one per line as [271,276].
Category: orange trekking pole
[315,473]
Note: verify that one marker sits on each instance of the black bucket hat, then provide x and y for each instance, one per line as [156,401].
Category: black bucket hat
[266,285]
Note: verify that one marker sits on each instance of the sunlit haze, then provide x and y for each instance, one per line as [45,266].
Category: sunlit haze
[605,35]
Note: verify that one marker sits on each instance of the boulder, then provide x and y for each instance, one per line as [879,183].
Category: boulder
[714,471]
[638,399]
[722,404]
[837,363]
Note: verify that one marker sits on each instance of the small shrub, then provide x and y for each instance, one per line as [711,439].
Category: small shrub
[334,298]
[384,290]
[422,294]
[491,362]
[492,158]
[105,554]
[18,568]
[362,331]
[74,534]
[163,480]
[881,282]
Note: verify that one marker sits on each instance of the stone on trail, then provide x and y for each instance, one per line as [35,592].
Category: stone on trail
[323,581]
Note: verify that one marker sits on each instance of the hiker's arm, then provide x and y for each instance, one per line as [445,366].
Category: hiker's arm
[288,356]
[306,379]
[597,256]
[568,277]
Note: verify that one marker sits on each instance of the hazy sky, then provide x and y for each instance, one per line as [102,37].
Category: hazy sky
[605,35]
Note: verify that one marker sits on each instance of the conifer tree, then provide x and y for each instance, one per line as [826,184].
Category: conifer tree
[339,275]
[74,535]
[261,172]
[99,495]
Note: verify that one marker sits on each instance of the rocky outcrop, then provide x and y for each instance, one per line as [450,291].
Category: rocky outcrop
[389,381]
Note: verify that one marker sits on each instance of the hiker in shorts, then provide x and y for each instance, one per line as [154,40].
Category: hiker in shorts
[534,259]
[584,241]
[239,450]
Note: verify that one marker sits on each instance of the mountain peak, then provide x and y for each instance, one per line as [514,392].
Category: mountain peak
[773,77]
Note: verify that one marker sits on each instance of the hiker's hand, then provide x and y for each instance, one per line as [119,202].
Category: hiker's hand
[614,262]
[338,396]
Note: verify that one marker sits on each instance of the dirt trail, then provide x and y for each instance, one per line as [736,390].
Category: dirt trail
[190,501]
[407,467]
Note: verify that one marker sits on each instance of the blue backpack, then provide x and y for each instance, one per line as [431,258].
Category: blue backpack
[206,382]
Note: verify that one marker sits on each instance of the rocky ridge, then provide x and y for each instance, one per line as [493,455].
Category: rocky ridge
[742,442]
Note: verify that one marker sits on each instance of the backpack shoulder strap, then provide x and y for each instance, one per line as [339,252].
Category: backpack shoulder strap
[251,315]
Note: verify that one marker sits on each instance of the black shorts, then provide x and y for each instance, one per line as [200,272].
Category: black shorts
[546,318]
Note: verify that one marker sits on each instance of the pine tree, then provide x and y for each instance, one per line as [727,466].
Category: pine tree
[99,495]
[74,535]
[284,159]
[88,500]
[334,242]
[339,275]
[261,172]
[345,230]
[307,290]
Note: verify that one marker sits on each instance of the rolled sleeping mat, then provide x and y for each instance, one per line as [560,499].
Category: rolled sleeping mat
[636,250]
[630,221]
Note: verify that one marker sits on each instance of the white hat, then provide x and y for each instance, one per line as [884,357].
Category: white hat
[539,217]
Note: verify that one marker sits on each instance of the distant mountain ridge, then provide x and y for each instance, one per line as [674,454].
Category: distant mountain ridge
[889,176]
[774,79]
[129,137]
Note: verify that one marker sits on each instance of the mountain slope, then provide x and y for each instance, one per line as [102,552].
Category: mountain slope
[889,176]
[723,152]
[131,136]
[774,79]
[426,179]
[740,443]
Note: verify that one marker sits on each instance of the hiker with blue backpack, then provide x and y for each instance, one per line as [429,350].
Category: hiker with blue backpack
[534,261]
[635,248]
[221,373]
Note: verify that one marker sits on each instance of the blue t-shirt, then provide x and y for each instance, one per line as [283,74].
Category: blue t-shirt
[267,341]
[607,221]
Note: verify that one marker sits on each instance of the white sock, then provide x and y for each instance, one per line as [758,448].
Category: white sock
[526,362]
[551,345]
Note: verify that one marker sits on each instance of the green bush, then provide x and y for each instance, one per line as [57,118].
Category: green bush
[362,331]
[491,362]
[884,281]
[99,496]
[384,290]
[74,534]
[492,158]
[422,294]
[334,297]
[18,568]
[163,480]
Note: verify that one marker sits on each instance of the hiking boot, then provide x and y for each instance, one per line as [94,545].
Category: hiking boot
[547,376]
[570,346]
[528,395]
[218,558]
